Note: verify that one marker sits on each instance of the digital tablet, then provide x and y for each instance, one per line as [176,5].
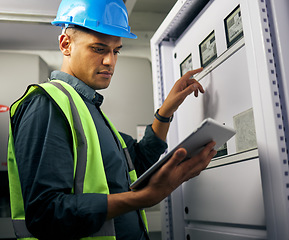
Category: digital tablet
[209,130]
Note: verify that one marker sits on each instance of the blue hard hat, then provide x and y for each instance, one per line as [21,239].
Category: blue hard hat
[104,16]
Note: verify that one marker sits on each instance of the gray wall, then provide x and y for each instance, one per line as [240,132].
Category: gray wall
[128,101]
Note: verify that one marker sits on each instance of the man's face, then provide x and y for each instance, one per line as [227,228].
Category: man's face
[92,58]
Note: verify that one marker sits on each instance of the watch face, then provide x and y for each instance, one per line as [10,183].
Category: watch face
[208,50]
[186,65]
[234,26]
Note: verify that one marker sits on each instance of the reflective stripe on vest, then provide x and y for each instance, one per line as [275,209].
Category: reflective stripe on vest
[84,137]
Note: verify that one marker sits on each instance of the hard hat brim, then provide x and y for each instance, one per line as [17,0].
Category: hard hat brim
[108,30]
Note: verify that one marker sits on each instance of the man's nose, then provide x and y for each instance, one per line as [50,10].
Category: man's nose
[109,59]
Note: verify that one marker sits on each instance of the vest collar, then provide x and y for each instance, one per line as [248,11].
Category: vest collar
[79,86]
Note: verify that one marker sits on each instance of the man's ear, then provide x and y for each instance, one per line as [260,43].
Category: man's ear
[64,44]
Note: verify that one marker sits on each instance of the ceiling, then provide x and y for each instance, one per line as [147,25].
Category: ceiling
[25,24]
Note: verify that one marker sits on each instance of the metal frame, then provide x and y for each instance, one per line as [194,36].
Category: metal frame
[269,116]
[26,17]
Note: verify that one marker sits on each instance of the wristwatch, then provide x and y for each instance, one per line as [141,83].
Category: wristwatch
[163,119]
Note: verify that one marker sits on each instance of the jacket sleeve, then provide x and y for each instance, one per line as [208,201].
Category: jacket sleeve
[43,149]
[146,152]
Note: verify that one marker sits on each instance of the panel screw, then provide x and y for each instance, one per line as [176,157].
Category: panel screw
[186,210]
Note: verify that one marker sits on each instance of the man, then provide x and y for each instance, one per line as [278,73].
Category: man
[69,168]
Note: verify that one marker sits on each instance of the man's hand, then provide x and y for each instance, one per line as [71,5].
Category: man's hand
[185,86]
[176,171]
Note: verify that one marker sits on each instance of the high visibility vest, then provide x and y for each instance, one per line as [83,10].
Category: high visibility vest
[88,164]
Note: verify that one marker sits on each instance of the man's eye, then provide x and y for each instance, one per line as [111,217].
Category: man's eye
[98,50]
[116,52]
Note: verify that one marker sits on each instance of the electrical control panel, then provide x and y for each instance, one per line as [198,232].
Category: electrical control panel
[233,42]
